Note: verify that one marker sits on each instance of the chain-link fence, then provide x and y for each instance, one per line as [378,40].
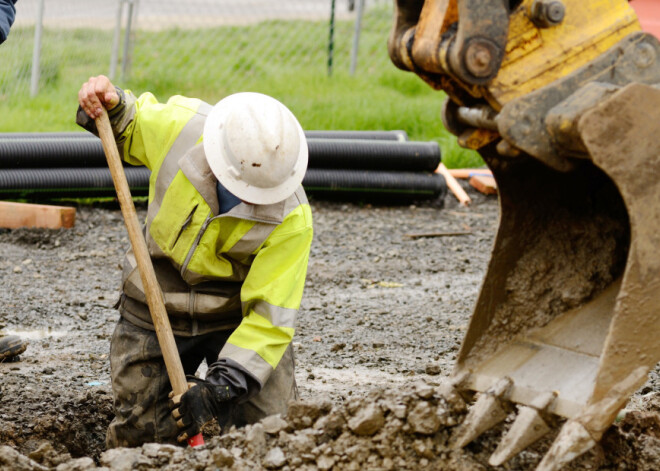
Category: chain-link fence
[218,40]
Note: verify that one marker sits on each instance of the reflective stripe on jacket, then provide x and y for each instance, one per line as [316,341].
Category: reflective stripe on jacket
[246,267]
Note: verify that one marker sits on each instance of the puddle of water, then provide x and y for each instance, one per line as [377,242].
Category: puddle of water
[36,334]
[359,376]
[96,383]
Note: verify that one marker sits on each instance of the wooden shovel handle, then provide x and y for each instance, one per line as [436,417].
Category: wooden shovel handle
[152,289]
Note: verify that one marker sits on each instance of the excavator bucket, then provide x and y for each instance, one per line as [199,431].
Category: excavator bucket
[561,99]
[570,305]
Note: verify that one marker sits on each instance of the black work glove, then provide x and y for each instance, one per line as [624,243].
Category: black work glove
[199,405]
[208,399]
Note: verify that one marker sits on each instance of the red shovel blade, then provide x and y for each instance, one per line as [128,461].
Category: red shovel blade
[197,440]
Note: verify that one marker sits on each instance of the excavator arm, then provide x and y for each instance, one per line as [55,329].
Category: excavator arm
[428,37]
[560,97]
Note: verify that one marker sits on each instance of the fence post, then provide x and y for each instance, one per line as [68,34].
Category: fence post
[356,35]
[331,40]
[126,59]
[114,57]
[36,51]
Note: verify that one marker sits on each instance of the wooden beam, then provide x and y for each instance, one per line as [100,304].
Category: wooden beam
[469,172]
[453,185]
[15,215]
[484,184]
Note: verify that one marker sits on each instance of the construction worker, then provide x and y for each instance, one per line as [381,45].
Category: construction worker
[7,15]
[229,230]
[10,345]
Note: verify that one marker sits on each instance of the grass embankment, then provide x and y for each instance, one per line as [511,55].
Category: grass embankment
[287,60]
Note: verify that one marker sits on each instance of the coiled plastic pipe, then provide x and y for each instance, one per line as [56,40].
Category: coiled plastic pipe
[75,182]
[47,135]
[51,152]
[323,153]
[368,135]
[373,155]
[421,184]
[90,182]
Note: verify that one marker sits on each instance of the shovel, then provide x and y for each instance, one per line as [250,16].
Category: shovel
[151,287]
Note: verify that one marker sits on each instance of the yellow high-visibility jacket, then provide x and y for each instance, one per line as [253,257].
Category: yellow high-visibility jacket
[244,269]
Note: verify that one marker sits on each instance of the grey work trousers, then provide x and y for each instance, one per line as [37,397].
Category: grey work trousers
[140,385]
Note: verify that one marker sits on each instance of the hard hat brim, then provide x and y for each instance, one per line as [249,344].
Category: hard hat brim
[221,167]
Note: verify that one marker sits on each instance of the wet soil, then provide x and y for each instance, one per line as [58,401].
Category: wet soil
[379,329]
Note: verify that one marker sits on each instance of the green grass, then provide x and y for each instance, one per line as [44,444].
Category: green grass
[287,60]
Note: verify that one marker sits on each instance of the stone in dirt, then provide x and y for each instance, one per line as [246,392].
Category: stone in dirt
[303,414]
[274,458]
[124,459]
[273,424]
[367,420]
[78,464]
[11,459]
[423,419]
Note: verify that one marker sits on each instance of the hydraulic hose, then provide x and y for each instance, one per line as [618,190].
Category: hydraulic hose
[90,182]
[30,152]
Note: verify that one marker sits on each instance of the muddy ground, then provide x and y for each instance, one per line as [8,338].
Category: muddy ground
[379,329]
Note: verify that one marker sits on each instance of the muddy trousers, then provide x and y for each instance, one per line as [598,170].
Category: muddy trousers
[140,385]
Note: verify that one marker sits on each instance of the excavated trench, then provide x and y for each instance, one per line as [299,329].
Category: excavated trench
[381,322]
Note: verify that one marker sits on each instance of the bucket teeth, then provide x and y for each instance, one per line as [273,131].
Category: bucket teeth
[572,441]
[528,427]
[483,415]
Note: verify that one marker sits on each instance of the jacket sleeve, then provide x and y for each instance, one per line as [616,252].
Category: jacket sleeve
[7,15]
[144,128]
[271,296]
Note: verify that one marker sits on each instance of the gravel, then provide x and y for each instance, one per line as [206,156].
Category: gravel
[379,329]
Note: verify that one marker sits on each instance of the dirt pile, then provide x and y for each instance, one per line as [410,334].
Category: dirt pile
[386,430]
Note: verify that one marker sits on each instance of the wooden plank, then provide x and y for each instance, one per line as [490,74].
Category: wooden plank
[469,172]
[15,215]
[484,184]
[453,185]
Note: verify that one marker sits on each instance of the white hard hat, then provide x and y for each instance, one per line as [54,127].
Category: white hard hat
[255,147]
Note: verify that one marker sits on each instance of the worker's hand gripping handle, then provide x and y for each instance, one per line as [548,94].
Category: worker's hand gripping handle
[148,275]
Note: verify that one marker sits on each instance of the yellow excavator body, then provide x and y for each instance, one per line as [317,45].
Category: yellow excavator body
[562,100]
[535,57]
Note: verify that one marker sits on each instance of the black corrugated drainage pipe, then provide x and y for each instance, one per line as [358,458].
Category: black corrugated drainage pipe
[374,185]
[91,182]
[323,153]
[368,135]
[73,182]
[350,154]
[51,152]
[47,135]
